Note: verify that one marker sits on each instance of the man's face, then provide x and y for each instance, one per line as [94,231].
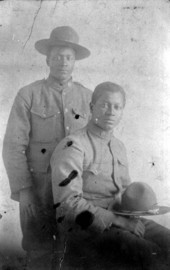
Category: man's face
[61,63]
[107,111]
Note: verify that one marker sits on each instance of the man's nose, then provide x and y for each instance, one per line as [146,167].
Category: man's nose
[63,61]
[111,109]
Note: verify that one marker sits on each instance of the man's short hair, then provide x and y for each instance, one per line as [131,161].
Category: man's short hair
[107,87]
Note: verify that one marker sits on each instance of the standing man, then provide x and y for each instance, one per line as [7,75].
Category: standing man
[43,113]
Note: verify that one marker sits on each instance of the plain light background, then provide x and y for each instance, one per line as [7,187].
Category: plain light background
[129,42]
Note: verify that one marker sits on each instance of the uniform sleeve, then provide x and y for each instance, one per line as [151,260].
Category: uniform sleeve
[15,145]
[67,184]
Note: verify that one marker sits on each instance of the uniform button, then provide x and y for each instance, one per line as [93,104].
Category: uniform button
[66,110]
[31,169]
[23,152]
[67,128]
[58,112]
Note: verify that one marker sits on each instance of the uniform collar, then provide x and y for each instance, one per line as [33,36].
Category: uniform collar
[53,83]
[96,130]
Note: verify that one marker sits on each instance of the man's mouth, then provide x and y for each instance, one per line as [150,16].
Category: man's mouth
[110,119]
[63,70]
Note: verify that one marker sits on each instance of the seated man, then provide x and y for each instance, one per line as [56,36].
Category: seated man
[89,174]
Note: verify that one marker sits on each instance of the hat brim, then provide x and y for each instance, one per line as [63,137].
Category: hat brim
[160,210]
[43,46]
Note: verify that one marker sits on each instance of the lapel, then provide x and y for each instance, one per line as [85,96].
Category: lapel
[115,153]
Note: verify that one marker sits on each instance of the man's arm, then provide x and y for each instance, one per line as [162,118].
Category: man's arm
[67,182]
[15,145]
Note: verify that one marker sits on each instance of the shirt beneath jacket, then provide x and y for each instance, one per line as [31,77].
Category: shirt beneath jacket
[89,169]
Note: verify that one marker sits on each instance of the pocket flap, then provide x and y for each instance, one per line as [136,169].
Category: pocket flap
[44,113]
[93,168]
[122,160]
[80,112]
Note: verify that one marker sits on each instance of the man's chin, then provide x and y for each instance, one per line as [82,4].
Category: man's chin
[110,127]
[62,78]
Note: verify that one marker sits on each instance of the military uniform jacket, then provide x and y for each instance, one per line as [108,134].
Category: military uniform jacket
[42,114]
[89,170]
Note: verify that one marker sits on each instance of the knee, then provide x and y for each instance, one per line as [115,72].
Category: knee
[138,251]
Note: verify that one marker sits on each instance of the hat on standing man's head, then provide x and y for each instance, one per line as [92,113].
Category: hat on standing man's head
[63,36]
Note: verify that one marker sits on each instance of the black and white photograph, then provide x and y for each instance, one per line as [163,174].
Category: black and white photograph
[85,135]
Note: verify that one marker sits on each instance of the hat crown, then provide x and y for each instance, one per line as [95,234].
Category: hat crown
[63,36]
[64,33]
[138,197]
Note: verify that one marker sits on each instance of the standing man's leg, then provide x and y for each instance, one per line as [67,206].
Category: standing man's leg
[40,232]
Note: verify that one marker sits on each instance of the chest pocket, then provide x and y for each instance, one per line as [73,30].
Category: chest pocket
[43,125]
[79,118]
[123,170]
[90,175]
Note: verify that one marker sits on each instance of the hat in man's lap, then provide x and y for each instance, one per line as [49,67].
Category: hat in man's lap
[139,199]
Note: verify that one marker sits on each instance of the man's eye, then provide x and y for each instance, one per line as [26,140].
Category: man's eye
[69,58]
[57,58]
[117,107]
[104,105]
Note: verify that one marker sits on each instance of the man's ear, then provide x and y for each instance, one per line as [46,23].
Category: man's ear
[91,107]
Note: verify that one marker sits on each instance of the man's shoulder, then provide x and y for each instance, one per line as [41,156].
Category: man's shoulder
[80,135]
[34,86]
[77,139]
[83,88]
[71,147]
[29,91]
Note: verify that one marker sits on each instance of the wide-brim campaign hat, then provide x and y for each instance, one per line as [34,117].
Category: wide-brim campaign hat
[139,199]
[63,36]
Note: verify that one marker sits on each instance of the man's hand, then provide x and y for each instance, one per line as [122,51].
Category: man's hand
[28,203]
[136,226]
